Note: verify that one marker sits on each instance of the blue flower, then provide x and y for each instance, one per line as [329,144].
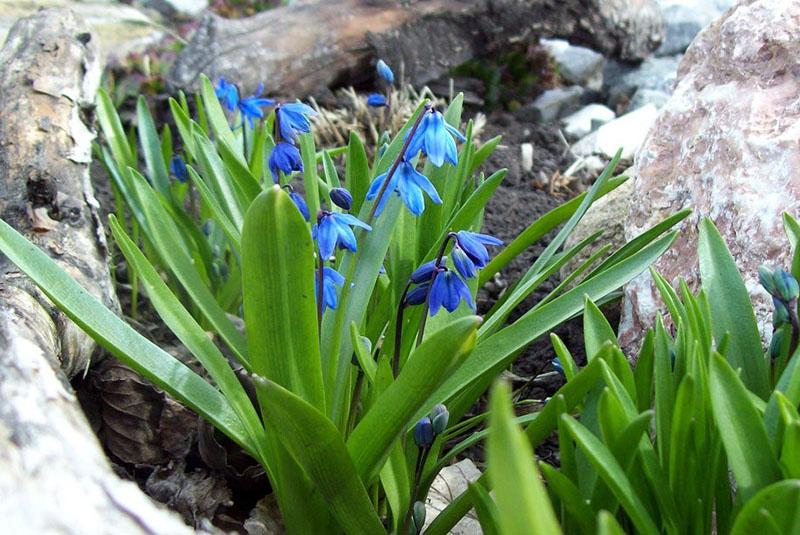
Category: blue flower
[418,295]
[447,290]
[178,168]
[300,202]
[409,183]
[293,119]
[250,107]
[384,71]
[464,265]
[473,244]
[425,271]
[284,157]
[557,366]
[423,433]
[435,138]
[376,100]
[227,94]
[341,198]
[333,230]
[331,280]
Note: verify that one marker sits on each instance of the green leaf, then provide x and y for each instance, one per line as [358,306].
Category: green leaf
[521,498]
[731,309]
[278,277]
[775,510]
[608,525]
[219,181]
[356,171]
[151,148]
[317,447]
[612,474]
[570,496]
[488,514]
[217,119]
[596,329]
[188,331]
[393,412]
[117,337]
[743,433]
[112,130]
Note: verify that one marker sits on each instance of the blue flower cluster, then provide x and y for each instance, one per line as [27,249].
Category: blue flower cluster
[249,107]
[444,288]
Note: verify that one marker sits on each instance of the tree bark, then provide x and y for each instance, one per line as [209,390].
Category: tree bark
[54,476]
[309,46]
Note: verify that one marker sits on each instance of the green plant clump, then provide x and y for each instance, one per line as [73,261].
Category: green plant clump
[360,335]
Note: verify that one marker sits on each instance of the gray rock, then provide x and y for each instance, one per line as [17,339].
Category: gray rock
[177,8]
[576,64]
[643,97]
[621,81]
[552,104]
[586,120]
[725,145]
[684,19]
[626,132]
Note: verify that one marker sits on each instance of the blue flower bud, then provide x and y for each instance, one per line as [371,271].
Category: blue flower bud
[786,285]
[464,265]
[178,168]
[208,227]
[384,71]
[341,198]
[423,433]
[780,315]
[425,271]
[418,295]
[765,278]
[300,202]
[418,516]
[775,344]
[439,417]
[376,100]
[284,157]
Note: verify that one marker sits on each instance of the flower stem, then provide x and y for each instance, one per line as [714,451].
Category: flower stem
[795,327]
[320,292]
[396,164]
[422,458]
[398,331]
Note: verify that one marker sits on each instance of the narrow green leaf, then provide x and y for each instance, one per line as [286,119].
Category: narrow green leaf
[278,277]
[393,412]
[488,514]
[596,329]
[742,430]
[151,148]
[521,498]
[317,447]
[112,130]
[217,119]
[773,511]
[732,310]
[571,498]
[356,171]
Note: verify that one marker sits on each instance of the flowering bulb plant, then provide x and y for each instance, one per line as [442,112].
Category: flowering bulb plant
[357,293]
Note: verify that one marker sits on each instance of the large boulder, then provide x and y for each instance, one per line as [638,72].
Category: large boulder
[726,146]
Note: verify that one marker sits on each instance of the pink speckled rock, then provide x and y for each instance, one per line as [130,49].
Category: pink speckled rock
[727,145]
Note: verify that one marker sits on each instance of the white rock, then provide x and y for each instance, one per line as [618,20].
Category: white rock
[585,120]
[526,156]
[553,103]
[576,64]
[726,146]
[626,132]
[447,486]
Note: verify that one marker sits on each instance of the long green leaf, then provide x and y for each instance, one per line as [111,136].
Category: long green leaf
[392,414]
[521,498]
[732,309]
[317,447]
[280,310]
[773,511]
[116,336]
[151,148]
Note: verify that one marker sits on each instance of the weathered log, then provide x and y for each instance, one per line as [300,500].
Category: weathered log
[54,476]
[308,46]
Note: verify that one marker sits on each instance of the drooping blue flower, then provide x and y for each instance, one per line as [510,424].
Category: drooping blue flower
[435,138]
[464,265]
[284,157]
[250,107]
[425,271]
[293,119]
[227,94]
[448,290]
[376,100]
[333,230]
[341,198]
[384,71]
[423,433]
[409,183]
[557,366]
[418,295]
[178,168]
[331,280]
[300,202]
[474,246]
